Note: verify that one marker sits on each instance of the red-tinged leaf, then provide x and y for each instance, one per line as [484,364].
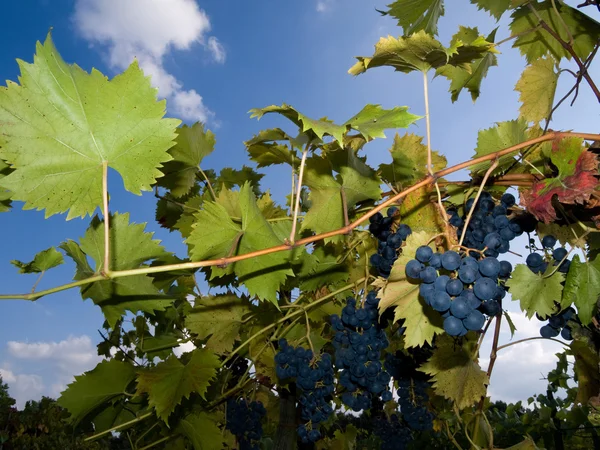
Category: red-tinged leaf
[577,179]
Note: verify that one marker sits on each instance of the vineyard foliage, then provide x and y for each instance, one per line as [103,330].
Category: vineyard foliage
[370,290]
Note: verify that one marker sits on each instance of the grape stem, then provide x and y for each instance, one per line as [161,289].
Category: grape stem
[298,191]
[106,214]
[493,353]
[554,135]
[531,339]
[118,427]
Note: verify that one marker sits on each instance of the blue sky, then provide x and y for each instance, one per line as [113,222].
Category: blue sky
[214,61]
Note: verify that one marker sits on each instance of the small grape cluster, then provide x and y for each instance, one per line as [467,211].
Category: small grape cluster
[244,420]
[468,289]
[314,378]
[389,241]
[412,399]
[237,368]
[393,433]
[557,324]
[489,229]
[359,341]
[538,263]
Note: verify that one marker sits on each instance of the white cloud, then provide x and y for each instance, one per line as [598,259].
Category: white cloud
[148,30]
[22,387]
[324,5]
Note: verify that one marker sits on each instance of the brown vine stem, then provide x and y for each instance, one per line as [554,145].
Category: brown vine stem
[493,353]
[569,49]
[531,339]
[308,240]
[298,191]
[470,213]
[106,214]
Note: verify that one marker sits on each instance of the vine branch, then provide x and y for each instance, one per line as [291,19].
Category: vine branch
[106,214]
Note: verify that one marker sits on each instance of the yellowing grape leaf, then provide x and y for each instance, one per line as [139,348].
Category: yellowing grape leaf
[536,292]
[131,247]
[215,235]
[420,212]
[202,431]
[107,381]
[5,194]
[499,137]
[192,145]
[170,381]
[582,287]
[418,15]
[455,375]
[218,318]
[421,321]
[537,87]
[538,43]
[42,261]
[79,121]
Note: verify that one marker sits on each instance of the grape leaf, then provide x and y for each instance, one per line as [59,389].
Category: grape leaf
[420,212]
[503,135]
[409,161]
[587,361]
[420,52]
[454,374]
[215,235]
[564,233]
[358,181]
[422,322]
[495,7]
[202,431]
[538,43]
[42,261]
[5,194]
[575,183]
[78,122]
[469,78]
[582,287]
[536,292]
[527,444]
[229,178]
[264,149]
[537,87]
[107,381]
[170,381]
[131,247]
[511,324]
[192,145]
[372,120]
[417,15]
[218,318]
[321,268]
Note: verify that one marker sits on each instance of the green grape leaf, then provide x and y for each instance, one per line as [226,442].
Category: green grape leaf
[564,233]
[420,212]
[131,247]
[503,135]
[358,181]
[511,324]
[421,52]
[170,381]
[455,375]
[218,318]
[421,321]
[107,381]
[322,268]
[537,87]
[315,129]
[495,7]
[269,154]
[202,431]
[192,145]
[409,161]
[42,261]
[79,122]
[527,444]
[114,415]
[418,15]
[469,78]
[372,120]
[582,287]
[538,43]
[5,194]
[345,440]
[536,292]
[577,180]
[587,361]
[229,178]
[215,235]
[185,222]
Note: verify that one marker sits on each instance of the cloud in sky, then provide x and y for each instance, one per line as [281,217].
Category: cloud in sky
[148,30]
[324,5]
[57,362]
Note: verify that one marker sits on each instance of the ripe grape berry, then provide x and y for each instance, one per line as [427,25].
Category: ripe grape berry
[393,433]
[244,421]
[557,324]
[390,241]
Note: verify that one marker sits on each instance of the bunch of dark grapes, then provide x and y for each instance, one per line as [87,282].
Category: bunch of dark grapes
[244,420]
[412,399]
[557,324]
[393,433]
[314,380]
[237,368]
[359,341]
[459,287]
[489,228]
[390,241]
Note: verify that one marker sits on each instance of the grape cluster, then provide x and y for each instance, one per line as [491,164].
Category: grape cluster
[314,379]
[389,241]
[538,263]
[359,341]
[459,287]
[557,323]
[244,421]
[489,230]
[412,399]
[393,433]
[237,368]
